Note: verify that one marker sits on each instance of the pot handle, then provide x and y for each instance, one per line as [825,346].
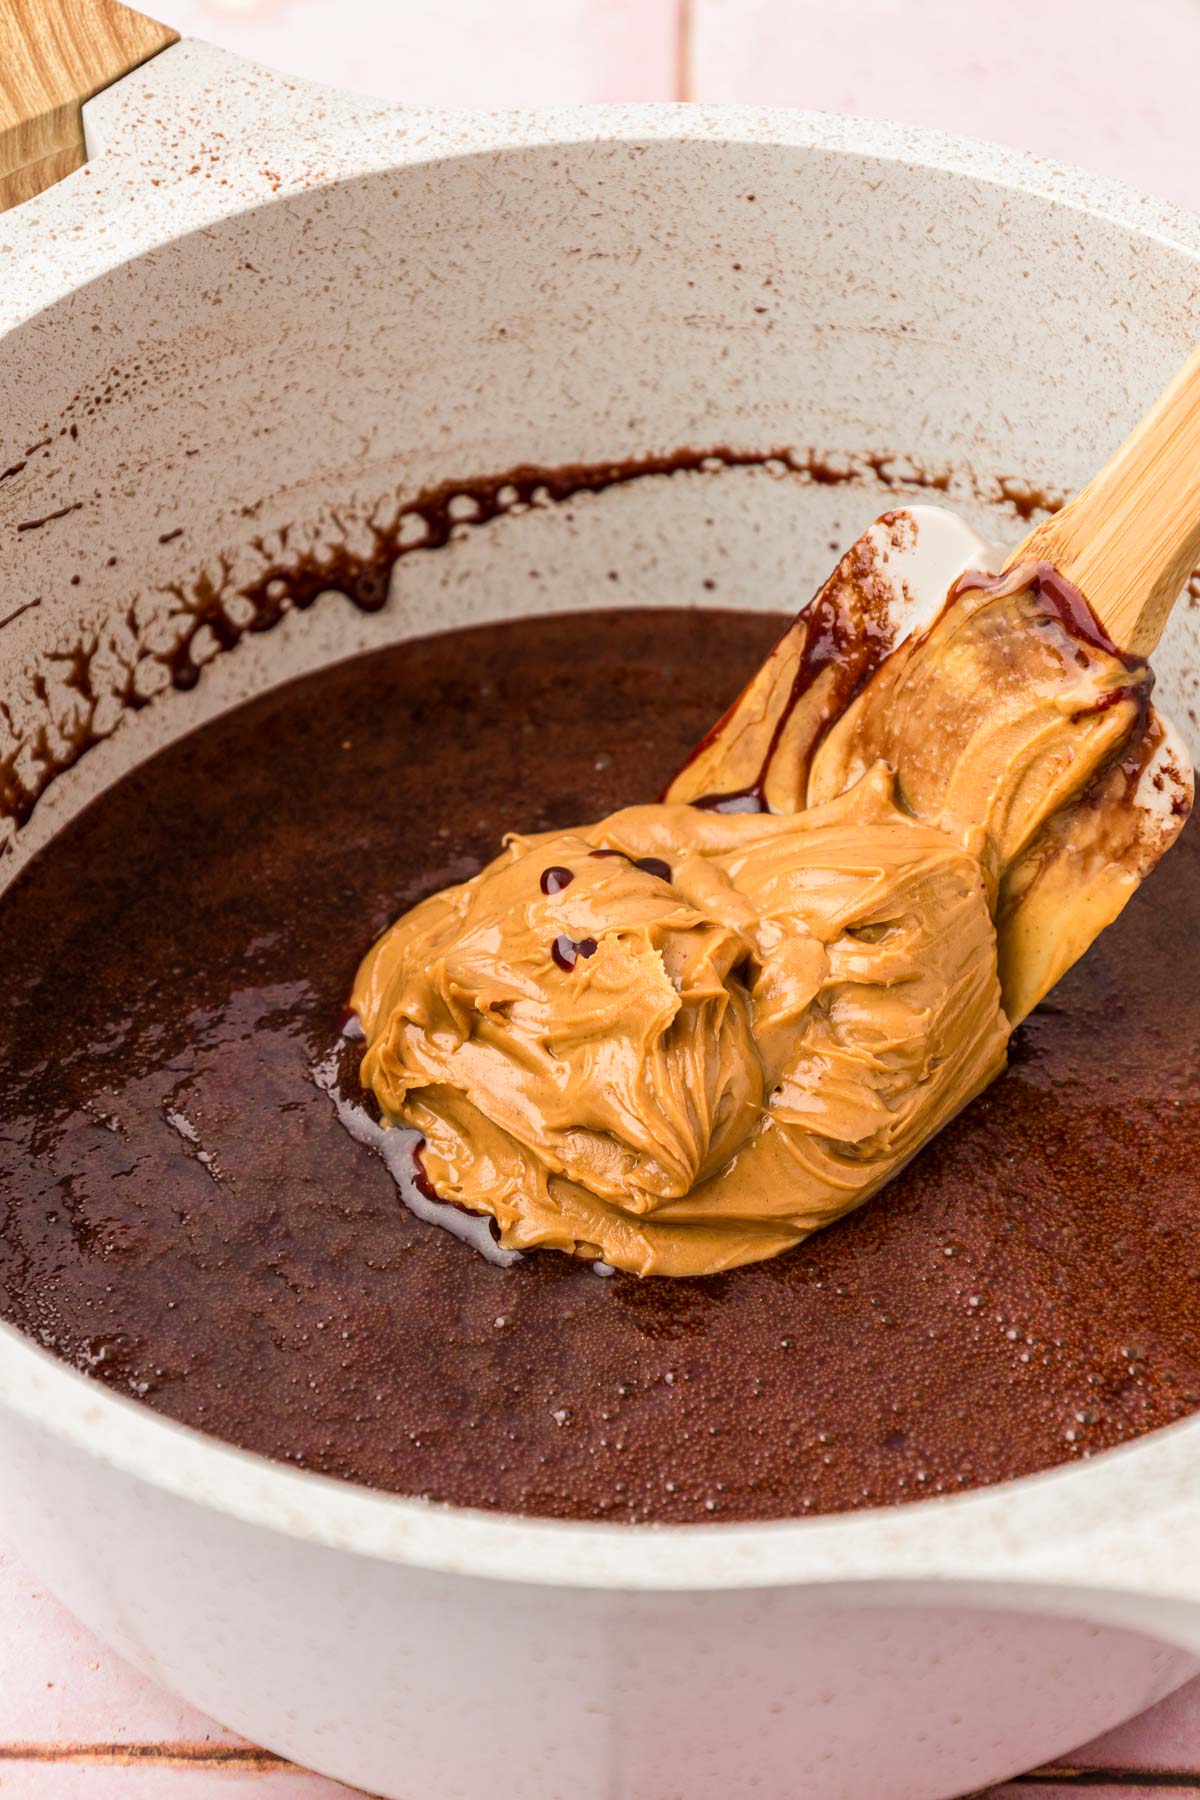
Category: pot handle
[54,55]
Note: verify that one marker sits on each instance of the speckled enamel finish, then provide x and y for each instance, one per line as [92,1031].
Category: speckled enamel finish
[261,318]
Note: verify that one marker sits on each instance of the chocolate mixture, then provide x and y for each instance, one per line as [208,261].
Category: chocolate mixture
[183,1215]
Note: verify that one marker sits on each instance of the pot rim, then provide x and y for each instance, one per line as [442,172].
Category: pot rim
[75,231]
[1060,1528]
[1063,1526]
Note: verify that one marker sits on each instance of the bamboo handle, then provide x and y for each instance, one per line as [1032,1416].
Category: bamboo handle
[54,55]
[1130,539]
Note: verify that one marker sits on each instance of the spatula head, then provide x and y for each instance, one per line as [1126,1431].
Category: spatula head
[879,625]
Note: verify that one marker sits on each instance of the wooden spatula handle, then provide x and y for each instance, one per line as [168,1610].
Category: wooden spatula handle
[1131,537]
[54,55]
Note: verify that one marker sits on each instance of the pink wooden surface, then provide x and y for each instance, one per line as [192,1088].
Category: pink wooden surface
[1101,83]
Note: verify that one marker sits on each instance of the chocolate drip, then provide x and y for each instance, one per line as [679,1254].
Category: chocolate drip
[1062,601]
[1056,596]
[847,632]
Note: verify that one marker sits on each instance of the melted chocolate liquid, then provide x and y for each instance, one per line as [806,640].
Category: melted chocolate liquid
[183,1216]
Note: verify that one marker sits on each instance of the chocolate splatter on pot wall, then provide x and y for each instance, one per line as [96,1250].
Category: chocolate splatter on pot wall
[83,689]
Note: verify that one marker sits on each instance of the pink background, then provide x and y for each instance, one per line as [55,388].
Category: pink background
[1107,85]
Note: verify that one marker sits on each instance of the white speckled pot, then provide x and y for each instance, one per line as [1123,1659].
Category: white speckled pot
[262,307]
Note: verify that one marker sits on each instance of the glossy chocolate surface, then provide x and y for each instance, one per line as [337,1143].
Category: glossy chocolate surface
[183,1216]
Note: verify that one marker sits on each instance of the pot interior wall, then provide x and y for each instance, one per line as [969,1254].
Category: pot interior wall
[268,395]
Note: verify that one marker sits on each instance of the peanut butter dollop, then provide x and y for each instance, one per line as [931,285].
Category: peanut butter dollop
[684,1038]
